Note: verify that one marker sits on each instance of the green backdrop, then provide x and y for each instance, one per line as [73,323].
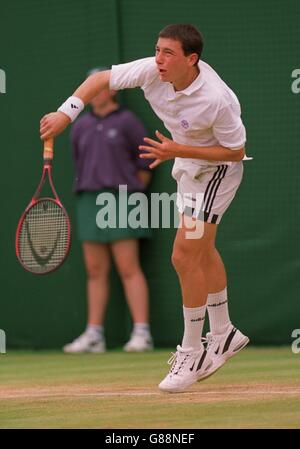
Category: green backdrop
[46,47]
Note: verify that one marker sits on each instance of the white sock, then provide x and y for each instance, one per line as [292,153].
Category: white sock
[95,330]
[141,328]
[217,307]
[193,327]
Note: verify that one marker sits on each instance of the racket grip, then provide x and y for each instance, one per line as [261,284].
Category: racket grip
[48,149]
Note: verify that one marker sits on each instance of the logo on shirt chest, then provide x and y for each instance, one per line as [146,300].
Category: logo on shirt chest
[185,124]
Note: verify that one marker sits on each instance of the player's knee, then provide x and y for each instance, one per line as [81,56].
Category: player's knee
[177,260]
[185,260]
[182,261]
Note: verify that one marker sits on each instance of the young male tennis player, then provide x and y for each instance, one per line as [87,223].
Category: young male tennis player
[208,137]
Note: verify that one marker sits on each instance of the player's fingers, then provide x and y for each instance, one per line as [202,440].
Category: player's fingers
[160,136]
[148,156]
[155,163]
[43,131]
[146,148]
[152,142]
[45,127]
[46,135]
[43,119]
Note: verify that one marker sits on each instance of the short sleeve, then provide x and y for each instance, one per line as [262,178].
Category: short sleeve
[228,127]
[138,73]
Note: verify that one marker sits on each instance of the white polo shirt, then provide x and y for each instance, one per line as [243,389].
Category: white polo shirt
[206,113]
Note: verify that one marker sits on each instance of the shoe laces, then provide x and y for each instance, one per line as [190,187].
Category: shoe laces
[179,359]
[208,341]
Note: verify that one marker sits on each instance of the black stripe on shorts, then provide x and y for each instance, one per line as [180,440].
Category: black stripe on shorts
[211,192]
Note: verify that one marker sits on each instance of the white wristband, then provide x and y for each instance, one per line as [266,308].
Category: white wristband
[72,107]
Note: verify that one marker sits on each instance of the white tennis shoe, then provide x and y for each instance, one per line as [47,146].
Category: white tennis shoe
[188,366]
[221,347]
[139,342]
[86,343]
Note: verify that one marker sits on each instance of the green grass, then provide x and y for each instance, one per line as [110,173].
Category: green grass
[260,388]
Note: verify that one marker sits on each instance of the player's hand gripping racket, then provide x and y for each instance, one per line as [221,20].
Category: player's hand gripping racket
[43,236]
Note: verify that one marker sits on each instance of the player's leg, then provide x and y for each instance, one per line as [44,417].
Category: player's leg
[224,340]
[126,256]
[217,185]
[191,362]
[188,260]
[97,264]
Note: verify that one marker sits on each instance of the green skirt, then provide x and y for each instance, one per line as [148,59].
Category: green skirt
[110,218]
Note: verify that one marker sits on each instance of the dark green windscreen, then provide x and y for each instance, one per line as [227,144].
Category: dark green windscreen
[46,47]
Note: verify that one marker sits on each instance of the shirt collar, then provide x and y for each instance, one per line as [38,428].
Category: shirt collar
[195,85]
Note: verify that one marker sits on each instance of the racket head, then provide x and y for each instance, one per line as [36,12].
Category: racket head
[43,236]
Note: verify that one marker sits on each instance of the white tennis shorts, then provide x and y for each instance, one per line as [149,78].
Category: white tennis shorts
[205,192]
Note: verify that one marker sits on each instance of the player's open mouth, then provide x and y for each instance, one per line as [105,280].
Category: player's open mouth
[162,72]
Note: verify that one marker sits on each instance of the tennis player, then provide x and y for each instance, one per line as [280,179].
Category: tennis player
[203,116]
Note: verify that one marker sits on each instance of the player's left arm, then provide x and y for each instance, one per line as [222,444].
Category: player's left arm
[228,130]
[166,149]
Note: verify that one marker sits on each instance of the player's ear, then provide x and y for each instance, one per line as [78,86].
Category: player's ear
[193,59]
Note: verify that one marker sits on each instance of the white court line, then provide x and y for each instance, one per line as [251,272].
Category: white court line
[70,395]
[141,393]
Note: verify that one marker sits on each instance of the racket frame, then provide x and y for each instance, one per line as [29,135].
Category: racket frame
[47,171]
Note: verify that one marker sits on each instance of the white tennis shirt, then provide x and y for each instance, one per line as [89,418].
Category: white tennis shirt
[206,113]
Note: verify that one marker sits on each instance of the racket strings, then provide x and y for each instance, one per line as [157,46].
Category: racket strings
[44,237]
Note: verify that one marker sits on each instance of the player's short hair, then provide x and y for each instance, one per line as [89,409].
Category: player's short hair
[191,39]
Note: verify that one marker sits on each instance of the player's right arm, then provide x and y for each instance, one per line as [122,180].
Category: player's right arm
[92,86]
[54,123]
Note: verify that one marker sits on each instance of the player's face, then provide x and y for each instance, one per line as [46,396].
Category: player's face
[172,64]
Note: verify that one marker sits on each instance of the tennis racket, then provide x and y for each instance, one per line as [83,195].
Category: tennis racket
[43,236]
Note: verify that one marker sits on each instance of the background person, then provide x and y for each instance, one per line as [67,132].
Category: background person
[105,144]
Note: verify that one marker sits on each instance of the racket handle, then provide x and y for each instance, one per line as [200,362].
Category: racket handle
[48,149]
